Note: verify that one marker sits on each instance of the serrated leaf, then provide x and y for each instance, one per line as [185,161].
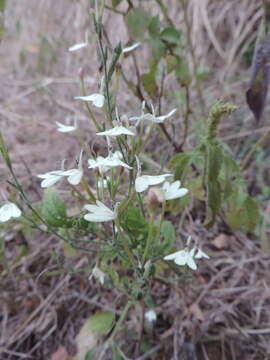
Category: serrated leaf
[258,87]
[92,330]
[53,208]
[137,21]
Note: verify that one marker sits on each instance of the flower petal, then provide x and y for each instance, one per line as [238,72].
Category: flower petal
[77,46]
[96,99]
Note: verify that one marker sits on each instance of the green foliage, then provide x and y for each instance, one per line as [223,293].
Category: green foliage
[101,322]
[167,236]
[149,81]
[180,162]
[115,3]
[53,208]
[137,21]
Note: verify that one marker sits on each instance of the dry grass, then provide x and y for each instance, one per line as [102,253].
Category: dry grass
[224,312]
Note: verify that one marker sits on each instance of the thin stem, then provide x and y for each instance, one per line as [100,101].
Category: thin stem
[125,244]
[150,237]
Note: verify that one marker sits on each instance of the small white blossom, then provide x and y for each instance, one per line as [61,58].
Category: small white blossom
[50,178]
[104,164]
[96,99]
[9,211]
[183,257]
[99,213]
[65,128]
[98,275]
[143,182]
[131,48]
[74,176]
[200,254]
[116,131]
[150,315]
[173,190]
[78,46]
[151,117]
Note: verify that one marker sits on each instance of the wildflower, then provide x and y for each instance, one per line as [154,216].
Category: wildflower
[50,178]
[78,46]
[143,182]
[65,128]
[183,257]
[74,175]
[200,254]
[131,48]
[99,213]
[98,275]
[150,315]
[104,164]
[96,99]
[8,211]
[173,190]
[117,130]
[151,117]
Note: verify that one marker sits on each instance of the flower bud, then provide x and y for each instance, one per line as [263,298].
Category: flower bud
[155,198]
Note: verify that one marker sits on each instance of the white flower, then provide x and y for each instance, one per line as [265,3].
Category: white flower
[8,211]
[131,48]
[50,178]
[99,213]
[104,164]
[150,315]
[143,182]
[117,130]
[74,175]
[151,117]
[78,46]
[96,99]
[98,274]
[200,254]
[173,190]
[183,257]
[65,128]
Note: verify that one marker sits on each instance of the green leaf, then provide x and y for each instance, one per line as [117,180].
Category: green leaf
[53,208]
[134,223]
[158,49]
[171,35]
[180,163]
[2,5]
[137,21]
[182,72]
[101,322]
[154,27]
[116,54]
[90,333]
[115,3]
[168,233]
[171,61]
[215,160]
[149,81]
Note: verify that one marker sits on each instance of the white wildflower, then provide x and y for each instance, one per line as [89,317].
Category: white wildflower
[150,315]
[201,254]
[116,131]
[99,213]
[78,46]
[9,211]
[173,190]
[111,161]
[131,48]
[183,257]
[98,275]
[143,182]
[74,176]
[96,99]
[50,178]
[151,117]
[65,128]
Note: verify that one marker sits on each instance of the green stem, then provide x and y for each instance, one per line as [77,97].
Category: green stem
[150,237]
[125,244]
